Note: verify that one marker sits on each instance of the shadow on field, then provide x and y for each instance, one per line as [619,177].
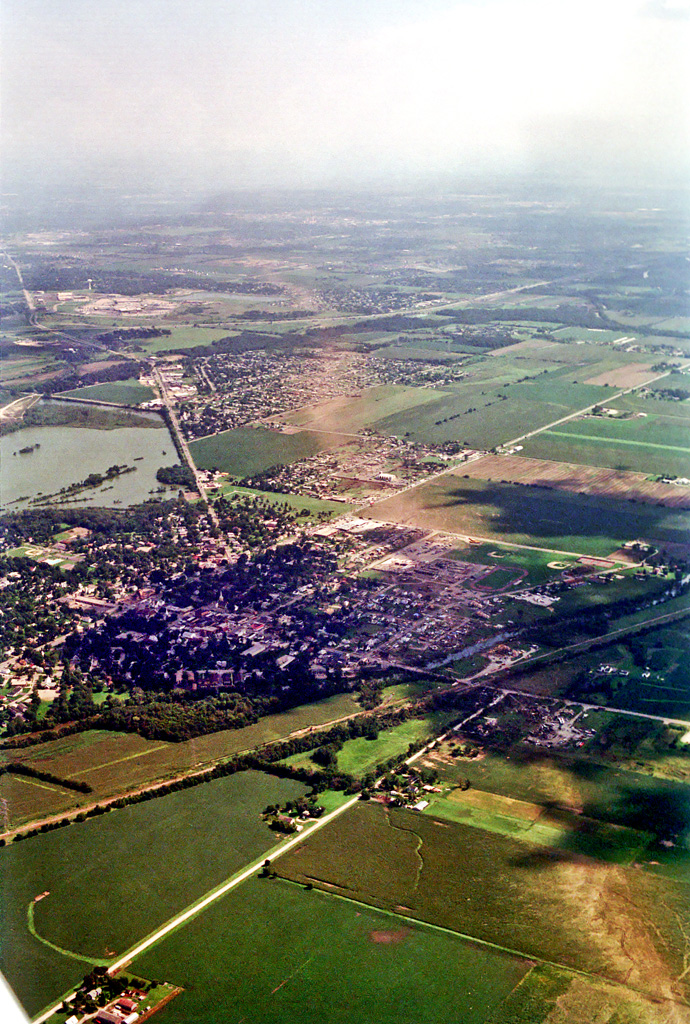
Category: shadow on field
[542,512]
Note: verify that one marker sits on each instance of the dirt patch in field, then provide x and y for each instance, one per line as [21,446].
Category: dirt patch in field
[390,937]
[567,476]
[624,376]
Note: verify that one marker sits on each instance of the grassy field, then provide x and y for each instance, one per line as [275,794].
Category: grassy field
[535,562]
[113,762]
[360,755]
[552,995]
[123,392]
[113,879]
[354,414]
[185,337]
[530,899]
[532,823]
[523,515]
[314,506]
[616,793]
[484,414]
[609,453]
[27,799]
[246,450]
[310,958]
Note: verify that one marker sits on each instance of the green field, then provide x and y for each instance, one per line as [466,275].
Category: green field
[184,337]
[28,799]
[535,562]
[653,440]
[246,450]
[314,506]
[123,392]
[374,405]
[272,953]
[360,755]
[523,515]
[532,823]
[484,414]
[530,899]
[115,878]
[113,762]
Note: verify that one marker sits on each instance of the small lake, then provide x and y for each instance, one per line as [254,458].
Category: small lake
[68,454]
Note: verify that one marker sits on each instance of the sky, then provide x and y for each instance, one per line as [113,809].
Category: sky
[311,93]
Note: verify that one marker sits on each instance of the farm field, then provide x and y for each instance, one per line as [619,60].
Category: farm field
[494,889]
[352,414]
[610,784]
[486,418]
[532,823]
[150,860]
[27,799]
[576,479]
[310,958]
[248,450]
[115,762]
[609,453]
[360,755]
[558,521]
[125,392]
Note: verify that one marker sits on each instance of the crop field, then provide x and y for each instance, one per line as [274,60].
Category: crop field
[150,860]
[554,520]
[125,392]
[532,823]
[310,958]
[625,377]
[576,479]
[26,799]
[484,418]
[354,414]
[360,755]
[114,762]
[609,453]
[248,450]
[495,889]
[608,786]
[552,995]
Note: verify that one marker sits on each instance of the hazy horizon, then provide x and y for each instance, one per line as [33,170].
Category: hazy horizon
[228,94]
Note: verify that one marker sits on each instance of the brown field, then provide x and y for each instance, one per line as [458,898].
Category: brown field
[497,804]
[624,376]
[566,476]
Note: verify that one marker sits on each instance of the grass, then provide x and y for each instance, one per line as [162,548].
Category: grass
[531,823]
[245,451]
[374,405]
[310,958]
[314,506]
[125,392]
[360,755]
[27,799]
[113,879]
[529,899]
[484,414]
[554,520]
[185,337]
[113,763]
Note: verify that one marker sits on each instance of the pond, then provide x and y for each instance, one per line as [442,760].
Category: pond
[61,455]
